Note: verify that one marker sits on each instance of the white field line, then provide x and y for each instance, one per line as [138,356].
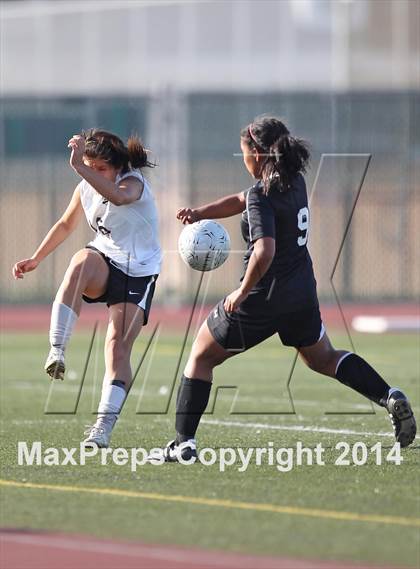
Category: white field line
[26,385]
[40,421]
[48,420]
[222,423]
[297,428]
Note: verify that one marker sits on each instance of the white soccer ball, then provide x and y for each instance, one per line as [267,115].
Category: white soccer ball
[204,245]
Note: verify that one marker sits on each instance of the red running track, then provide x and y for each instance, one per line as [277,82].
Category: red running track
[42,550]
[36,317]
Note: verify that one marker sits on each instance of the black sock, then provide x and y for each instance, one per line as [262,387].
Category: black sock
[193,396]
[118,383]
[354,372]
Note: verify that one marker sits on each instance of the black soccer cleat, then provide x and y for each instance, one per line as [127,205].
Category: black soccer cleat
[185,453]
[402,418]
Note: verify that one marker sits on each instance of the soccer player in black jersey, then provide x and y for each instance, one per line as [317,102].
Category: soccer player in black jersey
[277,293]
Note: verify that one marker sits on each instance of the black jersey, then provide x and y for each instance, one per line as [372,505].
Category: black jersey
[289,282]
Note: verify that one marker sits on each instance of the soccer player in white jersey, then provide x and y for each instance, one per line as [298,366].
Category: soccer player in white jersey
[119,266]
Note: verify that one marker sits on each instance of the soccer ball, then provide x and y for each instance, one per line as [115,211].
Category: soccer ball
[204,245]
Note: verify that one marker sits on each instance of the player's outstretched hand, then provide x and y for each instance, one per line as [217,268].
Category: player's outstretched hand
[24,266]
[187,215]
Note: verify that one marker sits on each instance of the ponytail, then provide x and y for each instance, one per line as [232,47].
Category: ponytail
[286,156]
[137,154]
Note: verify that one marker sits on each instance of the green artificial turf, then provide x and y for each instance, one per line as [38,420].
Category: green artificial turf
[262,411]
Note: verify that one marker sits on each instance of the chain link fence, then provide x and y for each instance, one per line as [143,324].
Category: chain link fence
[195,141]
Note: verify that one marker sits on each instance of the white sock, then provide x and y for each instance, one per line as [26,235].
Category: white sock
[63,319]
[112,400]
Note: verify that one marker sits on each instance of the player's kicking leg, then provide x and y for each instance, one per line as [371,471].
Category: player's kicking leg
[86,274]
[125,323]
[353,371]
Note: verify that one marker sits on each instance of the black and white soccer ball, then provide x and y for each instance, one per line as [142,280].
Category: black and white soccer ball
[204,245]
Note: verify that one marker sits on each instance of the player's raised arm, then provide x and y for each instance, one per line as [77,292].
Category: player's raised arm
[224,207]
[56,235]
[123,193]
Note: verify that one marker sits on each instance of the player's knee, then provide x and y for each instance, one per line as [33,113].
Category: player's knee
[323,363]
[79,269]
[207,358]
[80,257]
[217,360]
[314,365]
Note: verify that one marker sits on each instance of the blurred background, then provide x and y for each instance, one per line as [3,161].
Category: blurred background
[187,76]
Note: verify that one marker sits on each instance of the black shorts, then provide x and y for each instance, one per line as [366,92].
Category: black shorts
[123,288]
[256,320]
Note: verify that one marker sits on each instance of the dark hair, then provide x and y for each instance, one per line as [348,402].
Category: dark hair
[286,156]
[110,148]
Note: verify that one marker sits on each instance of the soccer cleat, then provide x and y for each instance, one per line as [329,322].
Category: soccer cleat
[55,366]
[185,453]
[99,434]
[402,418]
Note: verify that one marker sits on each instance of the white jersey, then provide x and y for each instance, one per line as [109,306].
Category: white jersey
[127,234]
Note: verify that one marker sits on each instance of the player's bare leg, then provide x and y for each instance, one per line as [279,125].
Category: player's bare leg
[125,323]
[322,357]
[205,355]
[87,274]
[193,394]
[353,371]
